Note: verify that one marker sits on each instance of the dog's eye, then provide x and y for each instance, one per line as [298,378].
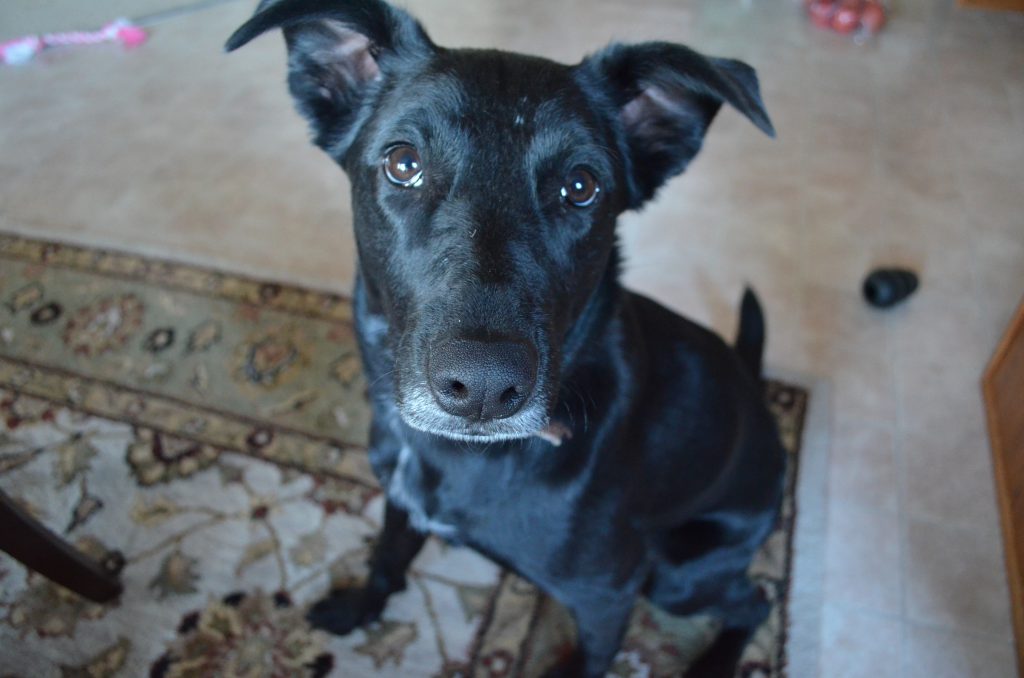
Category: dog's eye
[580,188]
[403,167]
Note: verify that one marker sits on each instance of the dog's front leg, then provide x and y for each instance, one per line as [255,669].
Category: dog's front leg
[601,620]
[345,609]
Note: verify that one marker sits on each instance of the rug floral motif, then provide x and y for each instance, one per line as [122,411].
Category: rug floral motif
[212,428]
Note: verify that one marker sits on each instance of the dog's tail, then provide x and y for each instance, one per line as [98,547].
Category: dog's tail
[750,337]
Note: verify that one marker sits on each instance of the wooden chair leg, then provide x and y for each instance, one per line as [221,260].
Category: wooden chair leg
[31,543]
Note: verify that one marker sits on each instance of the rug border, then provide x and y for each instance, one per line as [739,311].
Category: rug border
[793,485]
[806,582]
[121,265]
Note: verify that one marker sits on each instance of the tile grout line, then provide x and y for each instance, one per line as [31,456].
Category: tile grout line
[830,423]
[930,626]
[171,13]
[896,425]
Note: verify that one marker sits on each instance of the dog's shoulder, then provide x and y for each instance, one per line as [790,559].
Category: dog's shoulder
[690,377]
[665,331]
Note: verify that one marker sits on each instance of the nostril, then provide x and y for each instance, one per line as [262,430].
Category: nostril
[459,390]
[508,395]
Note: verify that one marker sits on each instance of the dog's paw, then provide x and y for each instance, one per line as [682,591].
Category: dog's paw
[344,610]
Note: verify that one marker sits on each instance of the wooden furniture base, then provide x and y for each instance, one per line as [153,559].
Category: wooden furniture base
[1003,386]
[1006,5]
[31,543]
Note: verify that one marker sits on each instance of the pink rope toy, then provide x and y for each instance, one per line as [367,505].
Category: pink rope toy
[21,50]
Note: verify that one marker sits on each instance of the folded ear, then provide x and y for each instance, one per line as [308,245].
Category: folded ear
[338,52]
[667,95]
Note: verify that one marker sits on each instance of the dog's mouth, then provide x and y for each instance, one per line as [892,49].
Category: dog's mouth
[419,411]
[524,425]
[475,436]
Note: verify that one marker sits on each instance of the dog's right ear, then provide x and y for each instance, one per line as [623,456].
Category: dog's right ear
[667,95]
[338,52]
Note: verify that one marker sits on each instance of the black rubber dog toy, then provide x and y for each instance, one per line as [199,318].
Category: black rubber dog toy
[885,287]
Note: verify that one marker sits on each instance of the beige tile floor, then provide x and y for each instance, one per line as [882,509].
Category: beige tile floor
[907,150]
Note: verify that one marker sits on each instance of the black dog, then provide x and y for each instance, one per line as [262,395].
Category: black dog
[524,403]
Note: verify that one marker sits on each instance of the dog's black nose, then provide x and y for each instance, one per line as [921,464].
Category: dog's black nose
[481,380]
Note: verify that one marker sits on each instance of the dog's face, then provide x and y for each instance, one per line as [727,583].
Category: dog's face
[485,190]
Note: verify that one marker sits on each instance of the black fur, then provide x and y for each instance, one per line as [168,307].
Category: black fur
[669,472]
[750,337]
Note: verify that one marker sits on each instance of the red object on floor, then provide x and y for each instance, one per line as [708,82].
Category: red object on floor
[821,12]
[873,17]
[866,17]
[847,17]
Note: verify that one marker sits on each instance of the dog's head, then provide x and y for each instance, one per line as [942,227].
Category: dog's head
[485,190]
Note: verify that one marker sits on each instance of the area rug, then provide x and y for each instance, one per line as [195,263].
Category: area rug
[212,428]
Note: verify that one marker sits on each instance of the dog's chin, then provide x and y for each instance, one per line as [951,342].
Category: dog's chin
[429,418]
[471,436]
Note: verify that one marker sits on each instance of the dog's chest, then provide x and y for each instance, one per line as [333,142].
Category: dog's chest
[489,505]
[412,487]
[476,502]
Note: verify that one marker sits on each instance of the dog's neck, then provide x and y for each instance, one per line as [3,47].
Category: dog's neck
[593,321]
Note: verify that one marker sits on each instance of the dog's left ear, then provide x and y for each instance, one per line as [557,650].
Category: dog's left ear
[338,50]
[667,95]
